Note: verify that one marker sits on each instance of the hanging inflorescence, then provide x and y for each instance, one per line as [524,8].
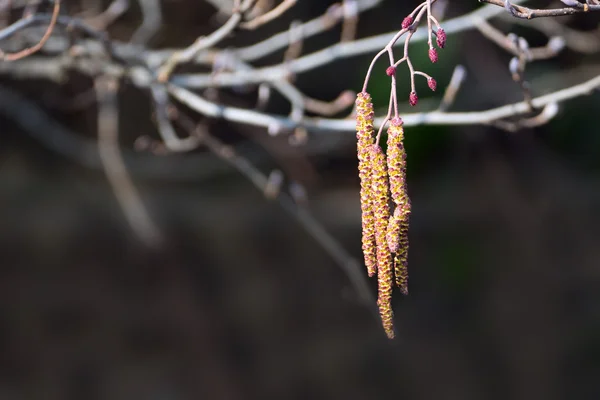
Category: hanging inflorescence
[383,181]
[383,176]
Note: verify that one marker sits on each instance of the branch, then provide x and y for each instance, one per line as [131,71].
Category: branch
[325,56]
[255,118]
[530,13]
[26,52]
[112,160]
[268,16]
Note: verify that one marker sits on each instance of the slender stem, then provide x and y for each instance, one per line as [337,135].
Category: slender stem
[429,24]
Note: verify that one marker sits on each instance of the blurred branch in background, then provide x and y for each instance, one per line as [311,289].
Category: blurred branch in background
[116,172]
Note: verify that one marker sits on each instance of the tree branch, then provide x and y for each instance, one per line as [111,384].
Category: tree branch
[530,13]
[255,118]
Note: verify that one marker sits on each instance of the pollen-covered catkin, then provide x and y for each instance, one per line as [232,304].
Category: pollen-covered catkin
[397,230]
[401,257]
[364,138]
[381,212]
[393,231]
[396,160]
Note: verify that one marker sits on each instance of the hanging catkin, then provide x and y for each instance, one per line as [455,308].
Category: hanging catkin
[397,233]
[381,212]
[364,136]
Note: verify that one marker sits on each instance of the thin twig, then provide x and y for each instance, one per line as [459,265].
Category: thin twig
[108,147]
[203,43]
[27,52]
[269,16]
[458,77]
[530,13]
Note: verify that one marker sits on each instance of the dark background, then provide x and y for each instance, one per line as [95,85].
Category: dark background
[243,304]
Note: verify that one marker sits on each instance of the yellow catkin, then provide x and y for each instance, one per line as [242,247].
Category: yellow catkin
[401,273]
[396,160]
[381,212]
[393,231]
[364,139]
[401,258]
[397,234]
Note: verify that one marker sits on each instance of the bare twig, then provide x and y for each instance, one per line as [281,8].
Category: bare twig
[167,132]
[203,43]
[116,172]
[530,13]
[458,77]
[324,56]
[152,19]
[26,52]
[587,42]
[110,15]
[256,118]
[269,16]
[350,23]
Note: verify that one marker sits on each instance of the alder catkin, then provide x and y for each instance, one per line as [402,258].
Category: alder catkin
[397,229]
[381,212]
[396,160]
[393,231]
[401,257]
[364,139]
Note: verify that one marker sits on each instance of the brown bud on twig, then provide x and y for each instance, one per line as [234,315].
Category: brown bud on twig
[364,136]
[384,257]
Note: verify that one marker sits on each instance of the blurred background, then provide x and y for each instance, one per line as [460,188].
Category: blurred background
[242,303]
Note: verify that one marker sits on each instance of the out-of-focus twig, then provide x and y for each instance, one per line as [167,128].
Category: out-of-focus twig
[116,172]
[203,42]
[350,23]
[458,77]
[547,114]
[330,108]
[151,22]
[161,104]
[110,15]
[586,42]
[30,50]
[268,16]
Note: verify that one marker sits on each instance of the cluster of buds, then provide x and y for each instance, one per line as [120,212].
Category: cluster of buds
[440,36]
[384,235]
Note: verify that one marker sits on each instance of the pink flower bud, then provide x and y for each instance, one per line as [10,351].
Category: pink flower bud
[413,99]
[433,56]
[407,22]
[390,71]
[432,84]
[441,38]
